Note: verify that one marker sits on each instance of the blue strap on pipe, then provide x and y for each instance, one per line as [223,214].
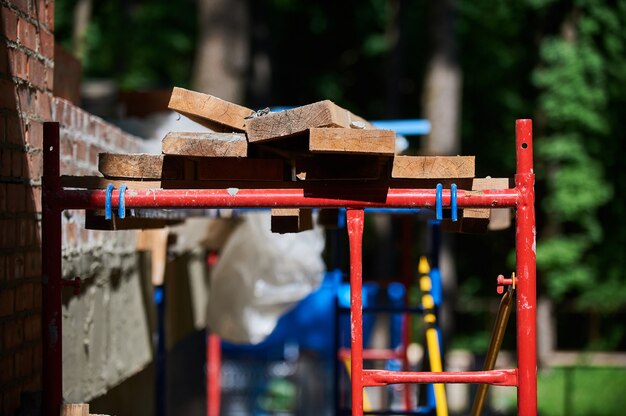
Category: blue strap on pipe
[121,210]
[107,202]
[438,202]
[453,205]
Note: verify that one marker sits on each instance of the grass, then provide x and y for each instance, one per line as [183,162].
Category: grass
[580,391]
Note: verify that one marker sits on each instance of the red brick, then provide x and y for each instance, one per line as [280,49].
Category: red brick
[81,151]
[18,63]
[24,296]
[9,26]
[3,122]
[67,145]
[37,73]
[27,34]
[33,134]
[2,268]
[13,333]
[3,197]
[18,273]
[34,162]
[6,369]
[16,197]
[20,228]
[49,83]
[17,160]
[36,191]
[37,296]
[26,99]
[44,105]
[32,266]
[46,43]
[21,5]
[7,239]
[5,163]
[14,130]
[11,400]
[7,95]
[7,299]
[32,327]
[24,362]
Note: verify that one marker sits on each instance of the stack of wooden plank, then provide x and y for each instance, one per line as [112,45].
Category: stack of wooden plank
[263,149]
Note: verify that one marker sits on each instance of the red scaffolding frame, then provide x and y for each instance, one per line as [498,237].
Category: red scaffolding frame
[355,197]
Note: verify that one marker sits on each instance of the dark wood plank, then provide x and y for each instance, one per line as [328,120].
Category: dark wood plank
[144,166]
[341,167]
[291,220]
[242,169]
[205,144]
[286,123]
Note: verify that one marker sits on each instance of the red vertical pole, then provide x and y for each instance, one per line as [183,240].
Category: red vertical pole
[214,365]
[355,219]
[526,271]
[52,362]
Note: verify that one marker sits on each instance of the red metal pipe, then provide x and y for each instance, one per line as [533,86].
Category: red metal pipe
[526,271]
[214,365]
[383,377]
[355,221]
[51,317]
[355,197]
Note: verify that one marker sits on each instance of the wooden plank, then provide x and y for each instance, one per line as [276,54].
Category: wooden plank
[341,167]
[286,123]
[226,169]
[93,221]
[205,144]
[291,220]
[144,166]
[209,111]
[353,141]
[433,167]
[71,409]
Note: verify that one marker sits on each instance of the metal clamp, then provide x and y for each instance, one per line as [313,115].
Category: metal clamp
[107,202]
[453,204]
[121,210]
[502,281]
[439,202]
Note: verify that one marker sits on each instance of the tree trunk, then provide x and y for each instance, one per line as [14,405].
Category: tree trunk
[223,50]
[441,105]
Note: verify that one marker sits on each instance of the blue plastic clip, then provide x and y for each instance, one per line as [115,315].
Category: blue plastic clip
[453,205]
[121,210]
[107,202]
[439,202]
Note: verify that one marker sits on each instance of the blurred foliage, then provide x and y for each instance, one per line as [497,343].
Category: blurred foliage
[560,62]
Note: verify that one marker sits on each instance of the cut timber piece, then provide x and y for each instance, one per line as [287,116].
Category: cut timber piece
[224,169]
[341,167]
[291,220]
[142,166]
[433,167]
[93,221]
[352,141]
[497,219]
[75,410]
[205,144]
[298,120]
[209,111]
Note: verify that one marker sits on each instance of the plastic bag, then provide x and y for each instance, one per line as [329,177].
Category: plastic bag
[259,276]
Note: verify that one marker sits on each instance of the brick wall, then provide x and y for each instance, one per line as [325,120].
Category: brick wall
[26,101]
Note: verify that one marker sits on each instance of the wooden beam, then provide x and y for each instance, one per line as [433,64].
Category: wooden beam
[341,167]
[433,167]
[205,144]
[286,123]
[144,166]
[291,220]
[209,111]
[244,169]
[352,141]
[71,409]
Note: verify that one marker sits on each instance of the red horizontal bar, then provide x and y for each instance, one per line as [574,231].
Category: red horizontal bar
[311,196]
[496,377]
[373,354]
